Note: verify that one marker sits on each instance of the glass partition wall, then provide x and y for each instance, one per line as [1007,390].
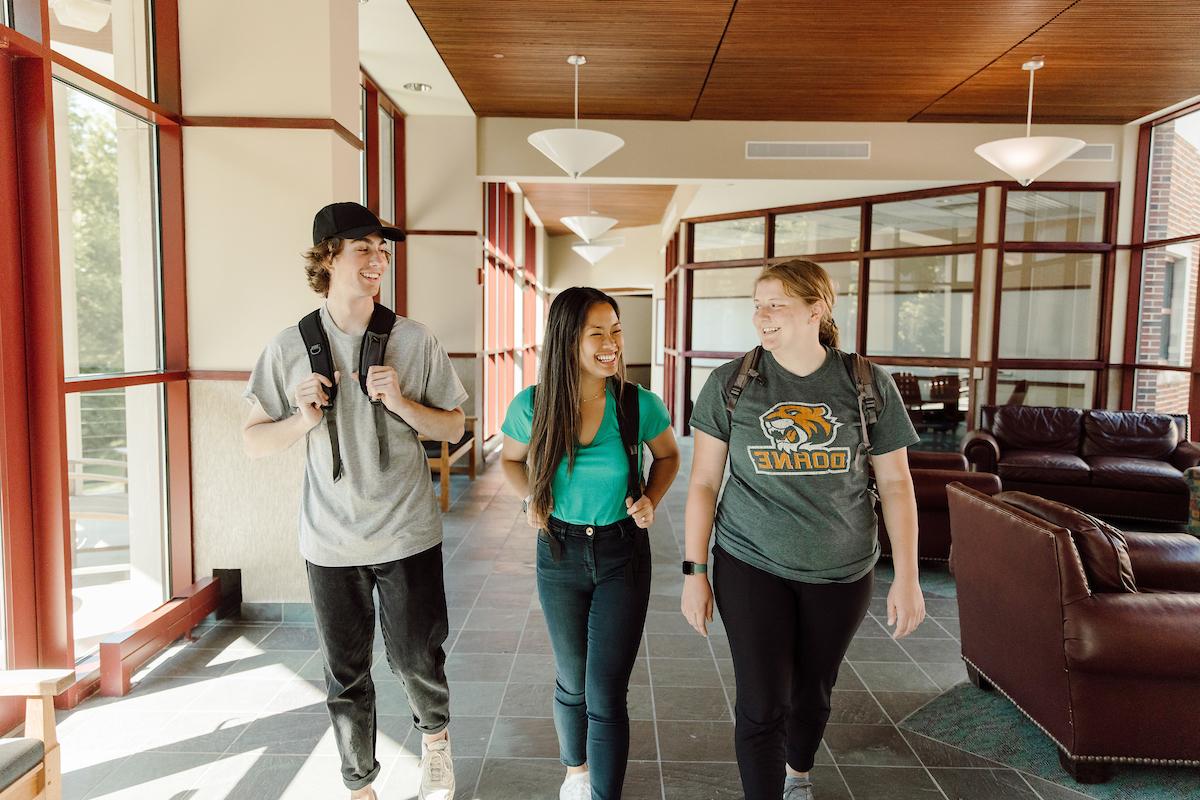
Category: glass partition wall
[907,272]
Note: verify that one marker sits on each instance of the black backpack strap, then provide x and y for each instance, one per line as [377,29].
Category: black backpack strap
[863,378]
[320,360]
[628,421]
[370,354]
[747,371]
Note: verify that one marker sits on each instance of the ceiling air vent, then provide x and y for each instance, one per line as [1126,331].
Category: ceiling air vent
[1093,152]
[808,150]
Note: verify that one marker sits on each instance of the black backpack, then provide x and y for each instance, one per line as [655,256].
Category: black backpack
[628,422]
[860,374]
[370,353]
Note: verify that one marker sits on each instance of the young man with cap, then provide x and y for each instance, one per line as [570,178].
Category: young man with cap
[368,517]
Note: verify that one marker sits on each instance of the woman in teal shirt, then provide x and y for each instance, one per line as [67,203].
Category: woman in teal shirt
[563,454]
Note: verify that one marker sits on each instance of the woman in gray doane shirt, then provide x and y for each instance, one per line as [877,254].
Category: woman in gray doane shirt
[796,525]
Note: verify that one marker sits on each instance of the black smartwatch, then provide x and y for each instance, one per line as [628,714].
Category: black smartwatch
[693,568]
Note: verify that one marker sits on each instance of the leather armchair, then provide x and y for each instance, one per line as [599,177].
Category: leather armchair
[931,473]
[1110,672]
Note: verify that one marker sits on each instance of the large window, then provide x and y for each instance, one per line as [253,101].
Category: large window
[729,240]
[908,261]
[1050,305]
[387,166]
[110,38]
[921,306]
[108,242]
[1164,267]
[111,311]
[1053,282]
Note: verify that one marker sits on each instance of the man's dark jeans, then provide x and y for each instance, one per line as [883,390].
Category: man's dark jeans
[594,586]
[412,616]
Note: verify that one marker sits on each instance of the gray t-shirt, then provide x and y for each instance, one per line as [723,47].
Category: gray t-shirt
[796,503]
[369,516]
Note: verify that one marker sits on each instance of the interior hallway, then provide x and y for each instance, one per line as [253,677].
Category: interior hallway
[239,713]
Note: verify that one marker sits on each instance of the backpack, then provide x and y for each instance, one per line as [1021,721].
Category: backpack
[628,422]
[370,354]
[860,374]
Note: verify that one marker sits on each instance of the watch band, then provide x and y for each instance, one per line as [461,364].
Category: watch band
[694,568]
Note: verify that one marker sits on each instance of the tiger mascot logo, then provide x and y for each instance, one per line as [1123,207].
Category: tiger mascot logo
[792,426]
[800,437]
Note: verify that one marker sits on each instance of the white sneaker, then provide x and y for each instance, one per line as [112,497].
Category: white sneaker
[576,787]
[437,771]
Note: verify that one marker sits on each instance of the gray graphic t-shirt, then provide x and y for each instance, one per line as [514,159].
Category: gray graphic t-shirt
[796,503]
[369,516]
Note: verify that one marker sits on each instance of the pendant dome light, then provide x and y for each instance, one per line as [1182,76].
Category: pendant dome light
[1026,157]
[576,150]
[590,225]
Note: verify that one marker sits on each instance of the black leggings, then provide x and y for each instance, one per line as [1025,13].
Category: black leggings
[787,639]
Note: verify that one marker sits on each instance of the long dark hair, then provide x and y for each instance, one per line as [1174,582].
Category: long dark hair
[556,417]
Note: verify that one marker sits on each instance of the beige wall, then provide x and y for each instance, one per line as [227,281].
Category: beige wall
[636,263]
[270,58]
[250,196]
[443,193]
[248,216]
[715,150]
[244,513]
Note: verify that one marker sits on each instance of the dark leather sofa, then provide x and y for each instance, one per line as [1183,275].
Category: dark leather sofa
[1113,463]
[931,473]
[1092,632]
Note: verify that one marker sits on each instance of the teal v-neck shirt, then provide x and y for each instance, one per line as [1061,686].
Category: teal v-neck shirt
[593,493]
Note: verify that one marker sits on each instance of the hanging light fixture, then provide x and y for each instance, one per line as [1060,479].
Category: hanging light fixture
[576,150]
[591,225]
[593,252]
[1027,157]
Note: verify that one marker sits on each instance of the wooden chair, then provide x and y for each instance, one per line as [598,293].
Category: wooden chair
[910,393]
[442,455]
[30,767]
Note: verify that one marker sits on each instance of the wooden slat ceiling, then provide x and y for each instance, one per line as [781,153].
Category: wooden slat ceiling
[1107,61]
[646,60]
[630,204]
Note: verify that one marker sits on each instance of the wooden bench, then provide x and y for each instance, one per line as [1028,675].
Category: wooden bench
[442,455]
[31,767]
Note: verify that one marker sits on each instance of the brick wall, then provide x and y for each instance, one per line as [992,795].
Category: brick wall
[1172,209]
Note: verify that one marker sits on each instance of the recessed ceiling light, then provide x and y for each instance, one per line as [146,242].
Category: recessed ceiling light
[497,55]
[420,88]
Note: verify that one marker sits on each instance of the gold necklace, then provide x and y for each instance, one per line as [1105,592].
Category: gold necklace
[593,397]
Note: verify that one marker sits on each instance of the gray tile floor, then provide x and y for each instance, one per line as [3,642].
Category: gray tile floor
[239,713]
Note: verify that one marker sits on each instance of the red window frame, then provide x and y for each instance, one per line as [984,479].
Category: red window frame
[35,520]
[1138,248]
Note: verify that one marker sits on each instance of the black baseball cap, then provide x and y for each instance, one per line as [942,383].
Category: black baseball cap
[350,221]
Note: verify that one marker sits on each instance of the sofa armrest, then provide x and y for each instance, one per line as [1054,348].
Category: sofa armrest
[929,485]
[1186,454]
[925,459]
[1165,561]
[982,450]
[1144,634]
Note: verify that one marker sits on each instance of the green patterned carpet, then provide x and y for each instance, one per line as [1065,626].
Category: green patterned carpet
[988,725]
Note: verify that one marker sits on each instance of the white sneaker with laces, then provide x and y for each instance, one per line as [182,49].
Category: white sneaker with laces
[437,771]
[576,787]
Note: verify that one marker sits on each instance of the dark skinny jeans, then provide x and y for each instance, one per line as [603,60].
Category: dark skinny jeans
[594,586]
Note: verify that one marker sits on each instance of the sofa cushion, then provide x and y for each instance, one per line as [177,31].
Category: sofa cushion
[1142,474]
[1043,466]
[1129,433]
[1038,428]
[17,757]
[1101,547]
